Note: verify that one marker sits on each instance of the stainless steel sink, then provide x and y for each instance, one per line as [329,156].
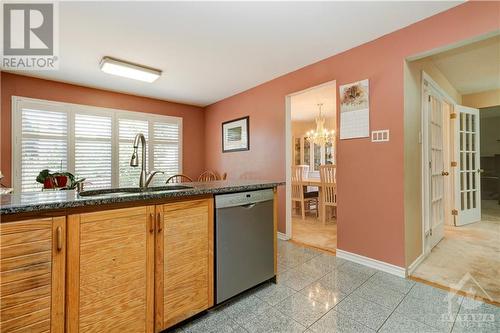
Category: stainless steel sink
[131,190]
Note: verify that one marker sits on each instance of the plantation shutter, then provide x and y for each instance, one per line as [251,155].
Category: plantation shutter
[92,143]
[93,150]
[44,145]
[165,142]
[127,129]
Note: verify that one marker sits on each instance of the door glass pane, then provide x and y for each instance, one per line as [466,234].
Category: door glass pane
[297,151]
[329,153]
[317,157]
[307,152]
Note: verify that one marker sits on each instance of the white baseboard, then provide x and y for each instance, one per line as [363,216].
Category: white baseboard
[415,263]
[373,263]
[282,236]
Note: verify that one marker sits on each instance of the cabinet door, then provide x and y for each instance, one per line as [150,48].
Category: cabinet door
[297,151]
[184,266]
[32,254]
[111,271]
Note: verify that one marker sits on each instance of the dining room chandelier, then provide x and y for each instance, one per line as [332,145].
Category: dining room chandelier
[321,136]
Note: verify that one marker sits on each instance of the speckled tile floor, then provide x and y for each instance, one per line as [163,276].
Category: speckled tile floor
[317,293]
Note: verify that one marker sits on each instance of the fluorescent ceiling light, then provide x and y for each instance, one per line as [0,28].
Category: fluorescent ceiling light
[127,69]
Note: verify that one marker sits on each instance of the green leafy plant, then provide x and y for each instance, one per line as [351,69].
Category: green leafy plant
[46,174]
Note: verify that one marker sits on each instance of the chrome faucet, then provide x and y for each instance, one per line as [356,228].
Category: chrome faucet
[145,177]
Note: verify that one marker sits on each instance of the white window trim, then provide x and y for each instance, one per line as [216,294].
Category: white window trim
[18,103]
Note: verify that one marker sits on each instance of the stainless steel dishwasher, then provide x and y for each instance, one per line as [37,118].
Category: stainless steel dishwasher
[244,241]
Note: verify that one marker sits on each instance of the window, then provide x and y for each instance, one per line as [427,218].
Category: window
[43,145]
[127,129]
[90,142]
[93,149]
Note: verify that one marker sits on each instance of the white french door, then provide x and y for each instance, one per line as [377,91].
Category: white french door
[436,122]
[468,180]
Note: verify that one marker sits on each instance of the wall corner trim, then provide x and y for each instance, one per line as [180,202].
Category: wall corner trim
[373,263]
[283,236]
[415,263]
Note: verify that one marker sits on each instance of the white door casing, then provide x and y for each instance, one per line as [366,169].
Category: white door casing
[436,123]
[468,170]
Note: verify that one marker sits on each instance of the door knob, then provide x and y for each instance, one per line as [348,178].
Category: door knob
[480,170]
[445,173]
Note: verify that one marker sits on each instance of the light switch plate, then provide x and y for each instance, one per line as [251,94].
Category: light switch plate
[380,135]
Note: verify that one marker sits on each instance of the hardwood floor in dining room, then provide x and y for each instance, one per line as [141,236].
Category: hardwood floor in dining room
[312,232]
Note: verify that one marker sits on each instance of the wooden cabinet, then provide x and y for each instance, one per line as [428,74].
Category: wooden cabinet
[32,254]
[313,155]
[138,269]
[184,261]
[111,271]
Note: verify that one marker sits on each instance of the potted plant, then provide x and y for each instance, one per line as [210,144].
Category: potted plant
[46,178]
[57,180]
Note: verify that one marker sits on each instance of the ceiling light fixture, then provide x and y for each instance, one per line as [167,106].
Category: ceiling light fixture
[126,69]
[321,136]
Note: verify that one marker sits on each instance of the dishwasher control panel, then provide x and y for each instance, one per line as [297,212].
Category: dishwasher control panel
[243,198]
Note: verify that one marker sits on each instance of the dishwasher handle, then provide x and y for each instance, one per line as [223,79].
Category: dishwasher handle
[248,206]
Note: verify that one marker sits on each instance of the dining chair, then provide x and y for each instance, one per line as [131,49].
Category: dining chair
[207,176]
[328,177]
[221,177]
[298,194]
[179,179]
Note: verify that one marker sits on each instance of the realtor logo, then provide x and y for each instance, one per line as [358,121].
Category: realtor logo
[29,36]
[472,315]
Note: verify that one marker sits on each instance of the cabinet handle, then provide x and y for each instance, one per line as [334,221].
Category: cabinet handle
[158,221]
[151,223]
[59,238]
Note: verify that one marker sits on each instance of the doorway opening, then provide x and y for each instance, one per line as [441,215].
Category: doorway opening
[460,159]
[311,167]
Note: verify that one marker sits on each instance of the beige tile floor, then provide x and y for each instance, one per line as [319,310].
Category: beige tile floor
[312,232]
[473,249]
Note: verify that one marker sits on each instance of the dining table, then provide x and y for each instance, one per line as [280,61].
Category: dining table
[316,182]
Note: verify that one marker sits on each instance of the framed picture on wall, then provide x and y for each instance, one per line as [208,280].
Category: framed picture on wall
[235,135]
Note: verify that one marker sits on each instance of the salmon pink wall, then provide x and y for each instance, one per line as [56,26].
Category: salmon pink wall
[17,85]
[370,176]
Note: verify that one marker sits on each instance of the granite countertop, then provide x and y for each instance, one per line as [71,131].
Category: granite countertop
[51,200]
